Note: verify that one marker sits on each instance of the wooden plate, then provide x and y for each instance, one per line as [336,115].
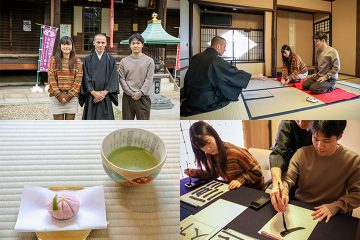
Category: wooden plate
[64,235]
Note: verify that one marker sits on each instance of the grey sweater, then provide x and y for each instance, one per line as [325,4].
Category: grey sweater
[327,63]
[333,180]
[136,74]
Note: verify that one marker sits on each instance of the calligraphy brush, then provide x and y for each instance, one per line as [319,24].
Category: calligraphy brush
[187,165]
[190,184]
[283,215]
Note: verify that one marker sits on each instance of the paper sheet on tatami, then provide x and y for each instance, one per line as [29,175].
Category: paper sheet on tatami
[295,217]
[204,194]
[210,220]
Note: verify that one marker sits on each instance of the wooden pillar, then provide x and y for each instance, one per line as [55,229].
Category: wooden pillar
[47,13]
[164,20]
[191,19]
[162,12]
[135,19]
[274,40]
[357,70]
[313,44]
[11,26]
[55,13]
[330,25]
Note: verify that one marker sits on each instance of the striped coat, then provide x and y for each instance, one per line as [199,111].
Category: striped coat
[64,80]
[240,165]
[297,67]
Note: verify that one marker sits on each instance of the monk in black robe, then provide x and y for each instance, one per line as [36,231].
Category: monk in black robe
[100,85]
[210,82]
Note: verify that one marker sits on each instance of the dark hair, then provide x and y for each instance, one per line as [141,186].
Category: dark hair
[59,55]
[197,132]
[328,127]
[136,36]
[217,40]
[321,36]
[286,61]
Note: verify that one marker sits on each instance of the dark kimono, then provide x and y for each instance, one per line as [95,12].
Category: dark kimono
[99,74]
[211,83]
[289,138]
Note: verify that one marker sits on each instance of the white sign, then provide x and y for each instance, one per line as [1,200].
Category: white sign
[27,25]
[65,30]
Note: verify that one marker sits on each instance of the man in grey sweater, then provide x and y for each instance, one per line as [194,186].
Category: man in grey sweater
[327,67]
[328,174]
[136,75]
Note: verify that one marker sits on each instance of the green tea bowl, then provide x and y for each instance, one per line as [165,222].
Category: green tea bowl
[132,156]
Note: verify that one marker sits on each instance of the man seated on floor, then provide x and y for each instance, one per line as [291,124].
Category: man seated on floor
[327,67]
[328,174]
[210,82]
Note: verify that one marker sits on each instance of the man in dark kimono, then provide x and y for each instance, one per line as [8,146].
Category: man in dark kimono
[291,136]
[210,82]
[100,84]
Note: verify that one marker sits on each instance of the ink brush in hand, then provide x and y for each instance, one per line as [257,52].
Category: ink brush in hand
[283,215]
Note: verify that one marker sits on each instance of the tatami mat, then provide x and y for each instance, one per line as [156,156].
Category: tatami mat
[350,84]
[343,77]
[344,110]
[284,99]
[55,153]
[232,111]
[262,84]
[290,102]
[252,95]
[352,80]
[350,88]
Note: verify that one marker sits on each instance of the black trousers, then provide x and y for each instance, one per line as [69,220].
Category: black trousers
[319,87]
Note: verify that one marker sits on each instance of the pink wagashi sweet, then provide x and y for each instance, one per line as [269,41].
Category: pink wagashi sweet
[64,207]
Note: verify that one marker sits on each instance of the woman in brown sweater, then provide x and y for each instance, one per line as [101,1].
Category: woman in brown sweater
[65,76]
[294,69]
[216,158]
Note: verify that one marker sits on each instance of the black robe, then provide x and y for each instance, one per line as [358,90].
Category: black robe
[99,74]
[289,138]
[211,83]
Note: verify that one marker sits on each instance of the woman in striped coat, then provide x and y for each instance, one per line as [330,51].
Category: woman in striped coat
[294,69]
[65,76]
[215,158]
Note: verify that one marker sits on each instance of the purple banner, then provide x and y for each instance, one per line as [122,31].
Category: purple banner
[47,46]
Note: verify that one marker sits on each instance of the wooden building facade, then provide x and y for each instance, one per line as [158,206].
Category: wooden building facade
[19,29]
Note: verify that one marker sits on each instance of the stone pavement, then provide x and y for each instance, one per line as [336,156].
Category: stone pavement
[22,95]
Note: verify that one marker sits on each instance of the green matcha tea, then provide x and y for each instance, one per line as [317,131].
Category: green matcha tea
[132,158]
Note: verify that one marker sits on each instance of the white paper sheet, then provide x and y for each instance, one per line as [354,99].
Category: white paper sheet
[229,234]
[206,223]
[192,228]
[295,217]
[34,217]
[204,194]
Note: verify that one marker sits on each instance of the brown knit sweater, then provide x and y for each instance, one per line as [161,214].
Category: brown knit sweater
[297,66]
[327,63]
[333,180]
[64,80]
[240,165]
